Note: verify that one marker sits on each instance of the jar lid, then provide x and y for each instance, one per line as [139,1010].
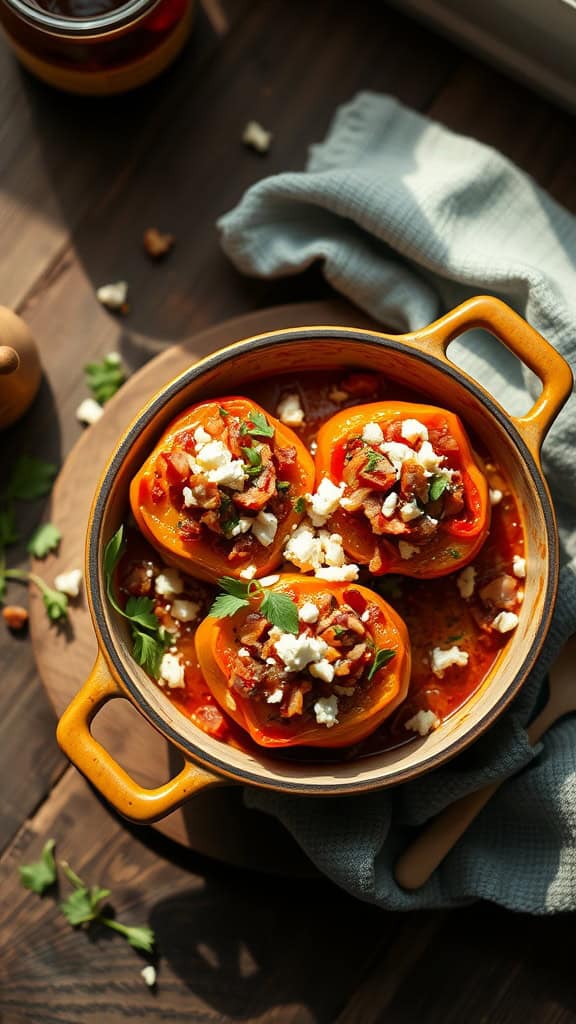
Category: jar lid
[94,24]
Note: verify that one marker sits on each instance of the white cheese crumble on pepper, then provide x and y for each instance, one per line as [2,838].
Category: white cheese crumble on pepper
[324,502]
[326,711]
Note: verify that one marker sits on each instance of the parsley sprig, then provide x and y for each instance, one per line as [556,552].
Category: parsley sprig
[149,638]
[257,425]
[254,460]
[382,655]
[437,487]
[278,608]
[106,378]
[85,904]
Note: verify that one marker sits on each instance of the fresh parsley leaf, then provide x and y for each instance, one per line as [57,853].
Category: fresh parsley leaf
[104,379]
[31,478]
[454,553]
[372,460]
[339,631]
[223,412]
[139,936]
[260,426]
[45,539]
[147,651]
[253,457]
[226,605]
[437,487]
[8,531]
[227,515]
[112,551]
[300,505]
[83,905]
[55,603]
[230,585]
[41,874]
[283,486]
[281,611]
[140,611]
[381,657]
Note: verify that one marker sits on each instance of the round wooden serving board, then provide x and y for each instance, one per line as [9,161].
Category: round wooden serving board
[214,823]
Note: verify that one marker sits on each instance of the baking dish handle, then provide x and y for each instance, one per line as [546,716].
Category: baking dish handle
[127,796]
[519,337]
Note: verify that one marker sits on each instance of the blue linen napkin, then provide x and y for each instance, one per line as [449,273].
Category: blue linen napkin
[408,219]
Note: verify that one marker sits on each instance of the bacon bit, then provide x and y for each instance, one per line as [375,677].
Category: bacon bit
[357,652]
[441,440]
[342,668]
[356,600]
[285,458]
[360,385]
[157,493]
[454,500]
[212,521]
[234,439]
[177,466]
[413,482]
[353,468]
[15,617]
[139,580]
[383,476]
[500,594]
[189,530]
[295,704]
[242,549]
[215,426]
[422,529]
[258,496]
[378,521]
[356,498]
[157,244]
[255,626]
[205,492]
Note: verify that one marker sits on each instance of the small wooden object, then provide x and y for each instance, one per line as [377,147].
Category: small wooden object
[20,370]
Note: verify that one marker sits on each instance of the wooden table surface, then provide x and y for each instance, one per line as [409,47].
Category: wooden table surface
[79,183]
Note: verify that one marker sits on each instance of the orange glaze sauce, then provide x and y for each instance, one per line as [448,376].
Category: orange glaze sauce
[434,611]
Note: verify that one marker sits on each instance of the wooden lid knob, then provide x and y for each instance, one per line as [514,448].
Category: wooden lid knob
[9,360]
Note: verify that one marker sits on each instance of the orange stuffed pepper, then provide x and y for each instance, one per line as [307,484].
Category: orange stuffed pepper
[327,676]
[220,492]
[415,500]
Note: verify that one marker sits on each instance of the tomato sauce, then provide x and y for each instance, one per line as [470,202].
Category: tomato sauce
[433,609]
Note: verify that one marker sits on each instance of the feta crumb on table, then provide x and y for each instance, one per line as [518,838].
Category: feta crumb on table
[440,660]
[89,411]
[69,583]
[113,296]
[505,622]
[326,711]
[423,722]
[149,974]
[256,136]
[289,410]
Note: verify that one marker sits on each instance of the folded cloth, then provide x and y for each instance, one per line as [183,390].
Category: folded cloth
[409,219]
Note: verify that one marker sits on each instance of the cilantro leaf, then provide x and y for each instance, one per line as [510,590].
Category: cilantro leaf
[147,651]
[381,657]
[437,487]
[140,611]
[139,936]
[104,379]
[281,611]
[41,874]
[252,455]
[55,603]
[44,539]
[226,605]
[8,531]
[31,478]
[372,460]
[260,426]
[300,505]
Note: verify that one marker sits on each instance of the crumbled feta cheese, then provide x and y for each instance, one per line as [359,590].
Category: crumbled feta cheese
[365,617]
[407,550]
[322,670]
[242,526]
[256,136]
[410,511]
[505,621]
[423,722]
[304,548]
[466,581]
[298,651]
[313,447]
[276,696]
[69,582]
[233,475]
[338,573]
[269,581]
[440,660]
[172,671]
[243,652]
[213,455]
[372,434]
[397,453]
[428,459]
[184,611]
[264,528]
[202,436]
[189,499]
[168,583]
[326,711]
[89,411]
[290,411]
[413,431]
[389,504]
[332,549]
[149,974]
[249,572]
[495,496]
[308,612]
[519,566]
[324,502]
[113,296]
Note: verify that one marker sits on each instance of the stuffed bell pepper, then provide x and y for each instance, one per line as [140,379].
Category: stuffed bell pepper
[302,662]
[222,490]
[414,499]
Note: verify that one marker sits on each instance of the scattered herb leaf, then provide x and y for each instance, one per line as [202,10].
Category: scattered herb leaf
[300,505]
[339,631]
[437,487]
[139,936]
[260,426]
[223,412]
[41,874]
[45,539]
[372,460]
[453,552]
[55,602]
[281,611]
[253,457]
[106,378]
[283,486]
[8,531]
[381,657]
[278,608]
[31,478]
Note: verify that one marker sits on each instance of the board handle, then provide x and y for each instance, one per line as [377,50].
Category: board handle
[524,341]
[133,801]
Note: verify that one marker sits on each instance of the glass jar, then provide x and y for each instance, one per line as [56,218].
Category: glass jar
[96,47]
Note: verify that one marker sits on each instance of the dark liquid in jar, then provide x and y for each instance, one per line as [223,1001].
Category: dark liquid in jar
[80,9]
